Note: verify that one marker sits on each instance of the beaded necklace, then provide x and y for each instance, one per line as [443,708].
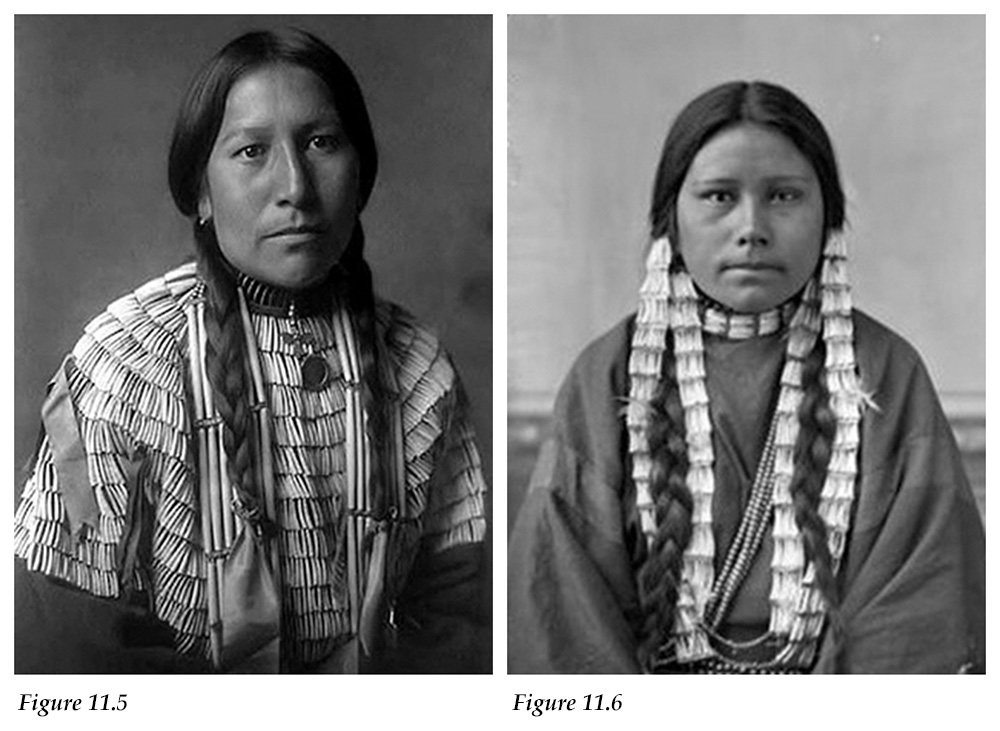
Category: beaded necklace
[314,369]
[243,564]
[719,320]
[669,301]
[749,536]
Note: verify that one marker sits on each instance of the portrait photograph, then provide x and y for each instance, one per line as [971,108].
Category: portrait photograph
[742,337]
[253,288]
[746,344]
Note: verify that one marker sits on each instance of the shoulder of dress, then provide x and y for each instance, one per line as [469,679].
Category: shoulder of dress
[877,346]
[157,306]
[127,374]
[397,321]
[415,348]
[608,348]
[602,366]
[894,376]
[141,333]
[179,282]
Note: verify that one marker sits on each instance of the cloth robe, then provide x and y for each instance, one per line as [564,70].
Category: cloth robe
[912,582]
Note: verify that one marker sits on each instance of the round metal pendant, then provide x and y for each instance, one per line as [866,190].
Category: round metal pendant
[315,372]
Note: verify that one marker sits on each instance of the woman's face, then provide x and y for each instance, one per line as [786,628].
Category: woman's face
[282,181]
[750,218]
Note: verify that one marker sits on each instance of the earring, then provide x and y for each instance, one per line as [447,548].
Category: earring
[203,222]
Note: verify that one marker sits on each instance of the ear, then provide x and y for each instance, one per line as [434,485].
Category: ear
[204,206]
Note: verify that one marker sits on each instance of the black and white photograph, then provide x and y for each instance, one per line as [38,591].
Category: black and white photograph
[734,327]
[746,344]
[253,345]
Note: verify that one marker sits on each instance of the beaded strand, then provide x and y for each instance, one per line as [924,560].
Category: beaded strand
[748,537]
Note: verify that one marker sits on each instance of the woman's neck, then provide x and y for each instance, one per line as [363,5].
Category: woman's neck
[718,319]
[281,302]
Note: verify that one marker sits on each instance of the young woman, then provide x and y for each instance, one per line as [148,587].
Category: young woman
[749,475]
[253,464]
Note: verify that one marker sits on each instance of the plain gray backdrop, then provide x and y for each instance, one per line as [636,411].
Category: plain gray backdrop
[590,100]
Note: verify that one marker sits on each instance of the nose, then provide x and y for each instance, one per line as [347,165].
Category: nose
[752,228]
[293,178]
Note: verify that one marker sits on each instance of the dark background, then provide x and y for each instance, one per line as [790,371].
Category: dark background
[95,100]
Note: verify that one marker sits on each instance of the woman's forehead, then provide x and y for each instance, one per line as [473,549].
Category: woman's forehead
[280,93]
[749,150]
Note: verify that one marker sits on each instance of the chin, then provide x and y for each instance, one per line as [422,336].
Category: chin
[303,281]
[295,277]
[751,303]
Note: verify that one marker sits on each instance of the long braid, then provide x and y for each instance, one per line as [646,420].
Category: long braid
[818,433]
[813,450]
[659,578]
[226,361]
[225,366]
[354,279]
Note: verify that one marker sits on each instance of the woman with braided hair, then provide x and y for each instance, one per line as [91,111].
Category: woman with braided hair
[748,475]
[252,464]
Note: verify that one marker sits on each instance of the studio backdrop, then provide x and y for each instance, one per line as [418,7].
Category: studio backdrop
[590,100]
[95,102]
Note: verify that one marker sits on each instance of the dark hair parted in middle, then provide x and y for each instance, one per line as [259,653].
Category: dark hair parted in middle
[659,569]
[203,107]
[195,131]
[725,106]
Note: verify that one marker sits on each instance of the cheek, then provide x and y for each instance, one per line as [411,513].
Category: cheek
[340,198]
[341,186]
[233,206]
[697,238]
[807,238]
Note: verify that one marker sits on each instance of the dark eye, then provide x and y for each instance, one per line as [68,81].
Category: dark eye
[325,143]
[718,197]
[786,195]
[251,152]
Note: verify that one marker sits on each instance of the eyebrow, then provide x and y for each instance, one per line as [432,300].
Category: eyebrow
[722,180]
[237,131]
[252,129]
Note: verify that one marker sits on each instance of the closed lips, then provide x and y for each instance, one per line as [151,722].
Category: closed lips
[751,265]
[297,230]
